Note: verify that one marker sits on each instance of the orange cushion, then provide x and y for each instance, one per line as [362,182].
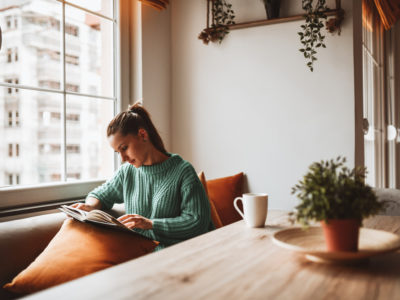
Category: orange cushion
[214,214]
[222,192]
[76,250]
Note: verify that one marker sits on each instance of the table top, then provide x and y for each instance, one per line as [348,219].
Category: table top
[237,262]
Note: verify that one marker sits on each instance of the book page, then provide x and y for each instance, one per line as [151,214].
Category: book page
[74,212]
[102,216]
[95,215]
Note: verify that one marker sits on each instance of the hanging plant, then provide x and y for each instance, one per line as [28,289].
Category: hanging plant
[222,16]
[311,36]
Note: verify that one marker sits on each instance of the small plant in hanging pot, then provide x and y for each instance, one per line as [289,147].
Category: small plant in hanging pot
[311,36]
[337,197]
[222,16]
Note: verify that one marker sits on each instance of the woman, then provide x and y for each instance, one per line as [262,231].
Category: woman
[164,199]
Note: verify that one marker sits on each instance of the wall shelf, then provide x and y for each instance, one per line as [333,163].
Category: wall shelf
[332,12]
[338,12]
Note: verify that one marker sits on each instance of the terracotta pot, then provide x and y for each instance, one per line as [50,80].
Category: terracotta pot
[341,235]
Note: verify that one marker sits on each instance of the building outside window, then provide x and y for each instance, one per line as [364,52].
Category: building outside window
[65,82]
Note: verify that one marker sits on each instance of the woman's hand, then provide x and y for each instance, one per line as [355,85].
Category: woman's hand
[136,221]
[83,206]
[90,204]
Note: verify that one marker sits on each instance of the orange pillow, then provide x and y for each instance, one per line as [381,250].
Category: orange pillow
[214,214]
[76,250]
[222,192]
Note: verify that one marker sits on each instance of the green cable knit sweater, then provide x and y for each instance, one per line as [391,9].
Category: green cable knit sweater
[169,193]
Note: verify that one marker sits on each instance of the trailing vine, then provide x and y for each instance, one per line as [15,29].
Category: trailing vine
[222,16]
[311,36]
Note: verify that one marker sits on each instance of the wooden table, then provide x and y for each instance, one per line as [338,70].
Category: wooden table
[236,262]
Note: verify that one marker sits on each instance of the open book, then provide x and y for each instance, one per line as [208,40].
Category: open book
[96,216]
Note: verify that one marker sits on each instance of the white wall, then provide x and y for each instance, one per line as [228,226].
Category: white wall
[156,68]
[250,104]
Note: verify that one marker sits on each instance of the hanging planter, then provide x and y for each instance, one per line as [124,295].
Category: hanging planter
[222,15]
[311,35]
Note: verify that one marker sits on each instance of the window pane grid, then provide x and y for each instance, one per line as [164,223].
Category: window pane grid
[61,87]
[32,88]
[89,11]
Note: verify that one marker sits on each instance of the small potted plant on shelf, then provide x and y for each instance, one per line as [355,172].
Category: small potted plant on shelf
[222,17]
[337,197]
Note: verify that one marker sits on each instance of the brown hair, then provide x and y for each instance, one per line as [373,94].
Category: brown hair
[131,120]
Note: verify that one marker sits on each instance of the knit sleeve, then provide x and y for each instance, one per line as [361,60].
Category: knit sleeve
[195,216]
[111,191]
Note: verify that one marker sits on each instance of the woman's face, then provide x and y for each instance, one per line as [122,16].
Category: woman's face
[133,149]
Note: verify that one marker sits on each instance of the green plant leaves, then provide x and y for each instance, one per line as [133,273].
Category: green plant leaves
[312,30]
[330,190]
[223,16]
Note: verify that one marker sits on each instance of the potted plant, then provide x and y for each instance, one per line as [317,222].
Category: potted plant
[222,16]
[337,197]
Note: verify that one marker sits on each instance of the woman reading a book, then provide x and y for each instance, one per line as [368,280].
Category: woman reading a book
[164,199]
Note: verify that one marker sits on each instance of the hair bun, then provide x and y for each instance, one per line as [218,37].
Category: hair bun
[136,107]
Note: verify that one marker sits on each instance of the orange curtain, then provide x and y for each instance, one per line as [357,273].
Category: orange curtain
[157,4]
[387,10]
[370,15]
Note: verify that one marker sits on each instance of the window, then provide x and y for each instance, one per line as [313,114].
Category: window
[13,118]
[50,148]
[73,88]
[11,90]
[11,22]
[55,55]
[13,150]
[12,55]
[72,59]
[65,104]
[71,29]
[50,84]
[8,22]
[381,102]
[73,149]
[73,117]
[10,118]
[12,178]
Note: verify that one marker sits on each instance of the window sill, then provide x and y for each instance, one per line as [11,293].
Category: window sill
[14,198]
[33,210]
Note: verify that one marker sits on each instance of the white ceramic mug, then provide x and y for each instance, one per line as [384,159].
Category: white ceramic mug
[255,208]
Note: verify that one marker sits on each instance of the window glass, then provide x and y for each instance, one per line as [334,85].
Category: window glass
[31,39]
[87,146]
[90,54]
[56,133]
[30,156]
[104,7]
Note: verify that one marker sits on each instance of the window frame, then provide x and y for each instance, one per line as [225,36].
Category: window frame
[17,197]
